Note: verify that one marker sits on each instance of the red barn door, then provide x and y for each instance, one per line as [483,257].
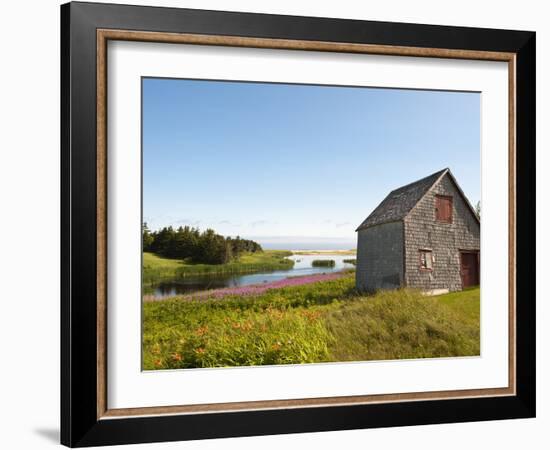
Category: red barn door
[469,269]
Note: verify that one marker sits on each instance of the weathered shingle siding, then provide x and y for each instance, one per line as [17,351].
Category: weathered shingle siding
[422,231]
[380,257]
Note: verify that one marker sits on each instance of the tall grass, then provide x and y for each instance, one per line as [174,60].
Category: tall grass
[234,337]
[350,261]
[402,324]
[323,263]
[320,322]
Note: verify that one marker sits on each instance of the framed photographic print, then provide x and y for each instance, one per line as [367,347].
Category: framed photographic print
[276,224]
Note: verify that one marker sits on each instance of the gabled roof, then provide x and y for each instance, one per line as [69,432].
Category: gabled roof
[399,202]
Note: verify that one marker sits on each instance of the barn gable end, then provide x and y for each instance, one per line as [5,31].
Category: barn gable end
[445,240]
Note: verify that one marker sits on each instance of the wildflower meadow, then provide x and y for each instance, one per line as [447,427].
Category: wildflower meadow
[313,319]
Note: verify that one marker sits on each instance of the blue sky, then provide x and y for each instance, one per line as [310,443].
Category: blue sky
[278,162]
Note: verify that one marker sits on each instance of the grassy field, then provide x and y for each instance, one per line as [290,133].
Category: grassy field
[320,322]
[156,268]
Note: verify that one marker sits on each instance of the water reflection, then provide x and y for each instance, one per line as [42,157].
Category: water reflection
[302,266]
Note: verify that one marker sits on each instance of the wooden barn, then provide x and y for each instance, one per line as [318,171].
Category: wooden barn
[423,235]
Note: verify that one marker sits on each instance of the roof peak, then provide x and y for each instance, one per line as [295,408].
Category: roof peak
[399,202]
[439,173]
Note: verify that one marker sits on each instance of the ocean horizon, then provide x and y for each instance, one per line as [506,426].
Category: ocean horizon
[309,245]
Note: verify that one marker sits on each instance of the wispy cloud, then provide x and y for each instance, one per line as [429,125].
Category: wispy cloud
[259,223]
[190,222]
[343,224]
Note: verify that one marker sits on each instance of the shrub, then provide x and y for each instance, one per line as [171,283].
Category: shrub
[323,263]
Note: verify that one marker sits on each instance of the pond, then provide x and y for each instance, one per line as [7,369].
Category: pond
[302,266]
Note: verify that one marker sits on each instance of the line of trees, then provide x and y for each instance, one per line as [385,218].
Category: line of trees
[205,247]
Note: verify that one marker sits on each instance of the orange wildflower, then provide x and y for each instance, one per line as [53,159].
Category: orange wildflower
[201,331]
[247,326]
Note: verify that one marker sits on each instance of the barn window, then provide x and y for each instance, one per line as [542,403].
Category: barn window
[426,259]
[444,208]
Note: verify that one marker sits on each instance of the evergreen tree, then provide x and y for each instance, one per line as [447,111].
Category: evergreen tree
[147,238]
[207,247]
[478,209]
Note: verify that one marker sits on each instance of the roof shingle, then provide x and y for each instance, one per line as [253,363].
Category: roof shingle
[400,201]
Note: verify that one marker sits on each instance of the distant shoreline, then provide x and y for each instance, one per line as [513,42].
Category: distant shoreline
[324,252]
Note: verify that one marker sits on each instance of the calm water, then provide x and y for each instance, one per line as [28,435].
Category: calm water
[302,266]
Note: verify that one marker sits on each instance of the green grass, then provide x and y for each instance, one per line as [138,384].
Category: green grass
[465,303]
[156,268]
[320,322]
[403,324]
